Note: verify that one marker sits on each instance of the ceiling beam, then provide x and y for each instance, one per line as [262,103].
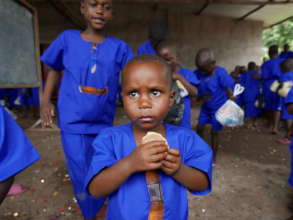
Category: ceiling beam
[64,10]
[231,2]
[205,5]
[254,10]
[279,22]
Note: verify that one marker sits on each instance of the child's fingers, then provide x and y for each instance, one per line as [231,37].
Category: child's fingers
[158,157]
[174,151]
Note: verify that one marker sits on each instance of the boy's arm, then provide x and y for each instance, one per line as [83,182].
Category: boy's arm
[47,108]
[189,177]
[230,94]
[146,157]
[192,90]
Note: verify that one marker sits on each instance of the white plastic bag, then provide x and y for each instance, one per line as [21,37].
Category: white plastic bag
[230,114]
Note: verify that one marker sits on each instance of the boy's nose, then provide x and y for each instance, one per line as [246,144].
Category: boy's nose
[99,9]
[145,102]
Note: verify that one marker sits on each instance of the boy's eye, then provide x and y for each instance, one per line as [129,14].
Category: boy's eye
[156,92]
[133,93]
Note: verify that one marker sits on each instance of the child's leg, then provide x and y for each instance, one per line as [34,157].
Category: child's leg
[78,150]
[215,142]
[200,130]
[289,123]
[275,121]
[4,188]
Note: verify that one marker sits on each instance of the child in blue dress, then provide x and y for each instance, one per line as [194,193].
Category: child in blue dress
[16,152]
[121,160]
[270,72]
[214,90]
[157,33]
[91,63]
[286,76]
[251,93]
[167,50]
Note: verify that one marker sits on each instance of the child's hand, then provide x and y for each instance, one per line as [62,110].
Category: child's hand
[148,156]
[172,162]
[47,112]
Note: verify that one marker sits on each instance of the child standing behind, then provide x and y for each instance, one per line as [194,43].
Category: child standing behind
[157,33]
[167,50]
[91,62]
[251,83]
[122,162]
[214,90]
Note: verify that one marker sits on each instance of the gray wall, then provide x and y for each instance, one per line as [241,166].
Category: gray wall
[234,42]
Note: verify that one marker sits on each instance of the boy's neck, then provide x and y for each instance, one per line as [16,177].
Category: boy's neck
[95,36]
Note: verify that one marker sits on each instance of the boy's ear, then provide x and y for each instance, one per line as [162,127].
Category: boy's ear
[172,98]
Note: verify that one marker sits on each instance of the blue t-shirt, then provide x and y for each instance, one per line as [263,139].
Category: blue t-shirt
[146,48]
[191,78]
[251,85]
[286,55]
[214,86]
[16,150]
[131,200]
[271,71]
[85,65]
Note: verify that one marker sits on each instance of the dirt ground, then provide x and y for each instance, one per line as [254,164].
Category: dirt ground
[249,181]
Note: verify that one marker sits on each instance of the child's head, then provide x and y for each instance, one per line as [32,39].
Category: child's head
[167,50]
[273,51]
[97,13]
[157,31]
[287,66]
[146,91]
[205,61]
[251,67]
[286,48]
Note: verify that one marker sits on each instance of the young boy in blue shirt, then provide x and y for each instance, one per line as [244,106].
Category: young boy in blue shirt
[214,90]
[286,77]
[251,92]
[157,33]
[286,53]
[91,63]
[121,161]
[167,50]
[270,72]
[16,152]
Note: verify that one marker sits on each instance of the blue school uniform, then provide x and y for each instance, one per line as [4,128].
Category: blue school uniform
[214,87]
[31,99]
[270,71]
[131,199]
[286,55]
[146,48]
[251,94]
[191,78]
[284,112]
[289,100]
[81,115]
[16,150]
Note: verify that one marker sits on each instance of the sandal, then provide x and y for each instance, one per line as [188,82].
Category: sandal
[284,141]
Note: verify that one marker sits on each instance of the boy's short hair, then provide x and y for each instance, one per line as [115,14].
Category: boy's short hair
[204,56]
[273,50]
[287,65]
[251,66]
[166,44]
[151,58]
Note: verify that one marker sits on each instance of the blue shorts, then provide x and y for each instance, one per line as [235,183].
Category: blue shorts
[250,110]
[272,101]
[209,117]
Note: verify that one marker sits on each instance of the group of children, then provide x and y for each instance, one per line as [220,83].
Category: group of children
[114,163]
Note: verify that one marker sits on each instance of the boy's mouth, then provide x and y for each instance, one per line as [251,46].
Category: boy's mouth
[98,20]
[146,119]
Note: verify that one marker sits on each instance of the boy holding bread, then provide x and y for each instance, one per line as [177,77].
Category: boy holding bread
[146,166]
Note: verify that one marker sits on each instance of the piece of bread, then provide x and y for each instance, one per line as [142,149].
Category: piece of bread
[153,136]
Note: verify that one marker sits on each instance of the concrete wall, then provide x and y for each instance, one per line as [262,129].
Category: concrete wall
[234,42]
